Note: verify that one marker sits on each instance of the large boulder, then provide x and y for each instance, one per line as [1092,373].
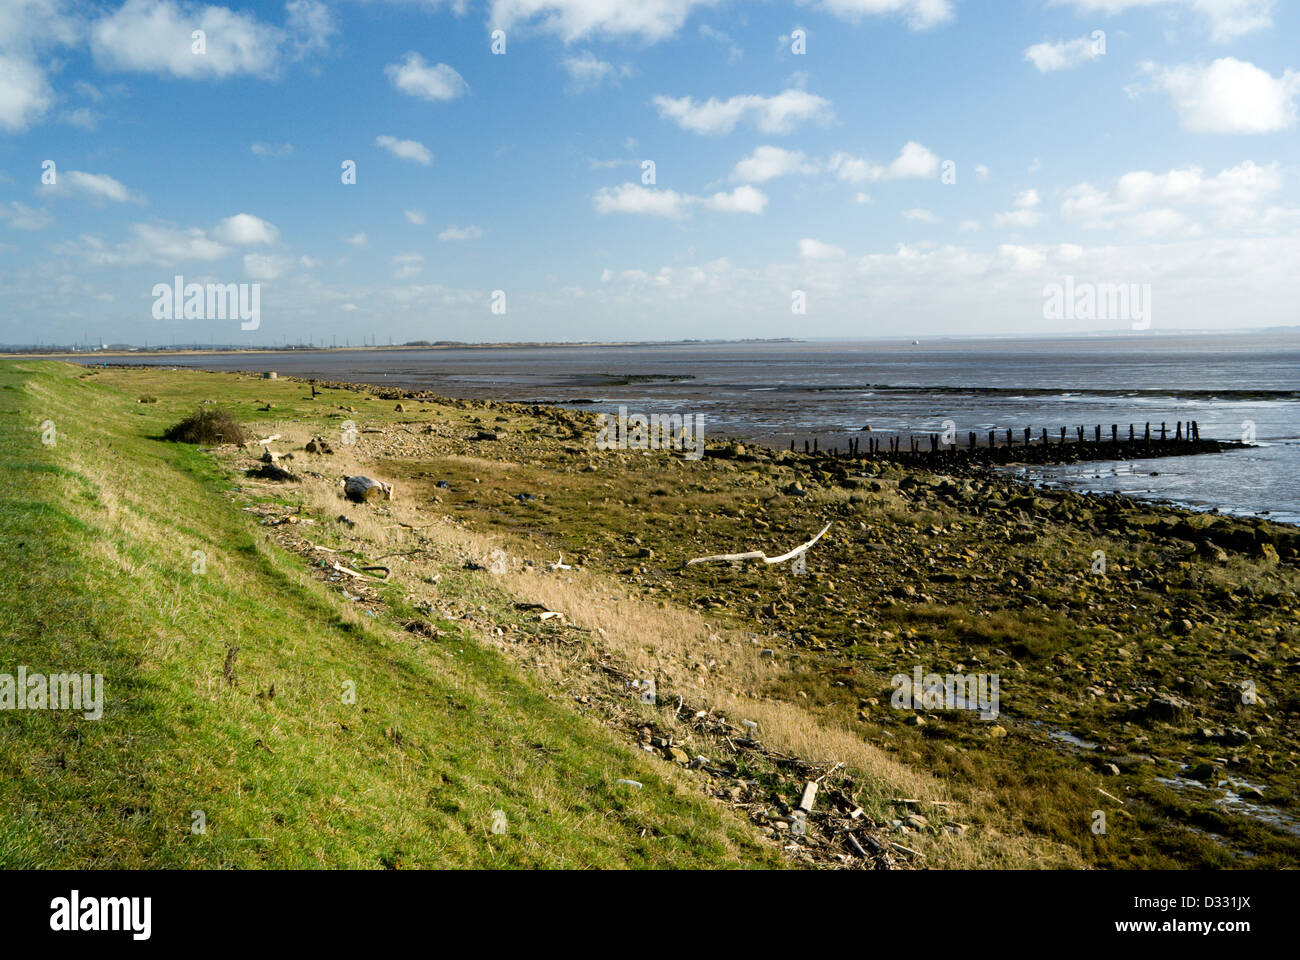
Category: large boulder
[360,489]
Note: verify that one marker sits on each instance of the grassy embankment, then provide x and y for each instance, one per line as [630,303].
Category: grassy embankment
[225,688]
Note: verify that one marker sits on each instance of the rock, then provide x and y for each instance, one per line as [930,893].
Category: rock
[1202,772]
[1268,553]
[1167,709]
[319,445]
[486,435]
[677,755]
[400,408]
[795,489]
[360,489]
[997,731]
[271,471]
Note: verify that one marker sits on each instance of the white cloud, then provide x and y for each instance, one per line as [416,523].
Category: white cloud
[310,24]
[1227,19]
[969,226]
[743,199]
[154,36]
[1018,218]
[1021,258]
[408,265]
[25,95]
[650,20]
[97,186]
[244,229]
[415,217]
[777,114]
[1024,216]
[981,172]
[82,117]
[765,163]
[637,199]
[634,198]
[919,14]
[271,149]
[156,243]
[587,71]
[406,149]
[919,214]
[810,249]
[262,266]
[734,52]
[22,217]
[358,239]
[1146,202]
[28,31]
[1229,96]
[1064,54]
[913,161]
[419,78]
[454,232]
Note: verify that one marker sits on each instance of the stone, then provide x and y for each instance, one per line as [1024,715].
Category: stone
[1167,708]
[360,489]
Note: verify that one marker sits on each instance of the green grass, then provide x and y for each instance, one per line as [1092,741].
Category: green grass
[98,532]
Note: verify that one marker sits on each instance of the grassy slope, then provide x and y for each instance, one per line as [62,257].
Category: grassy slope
[97,535]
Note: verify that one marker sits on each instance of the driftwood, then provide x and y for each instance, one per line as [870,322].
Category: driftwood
[760,555]
[362,489]
[361,576]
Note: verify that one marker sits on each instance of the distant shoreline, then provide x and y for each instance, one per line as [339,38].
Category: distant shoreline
[396,347]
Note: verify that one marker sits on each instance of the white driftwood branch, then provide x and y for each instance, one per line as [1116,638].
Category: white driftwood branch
[760,555]
[361,576]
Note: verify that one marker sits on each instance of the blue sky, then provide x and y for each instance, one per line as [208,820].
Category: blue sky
[925,167]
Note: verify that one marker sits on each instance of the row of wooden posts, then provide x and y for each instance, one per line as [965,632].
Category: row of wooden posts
[1192,434]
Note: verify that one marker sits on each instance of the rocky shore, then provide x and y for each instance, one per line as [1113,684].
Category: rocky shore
[1147,655]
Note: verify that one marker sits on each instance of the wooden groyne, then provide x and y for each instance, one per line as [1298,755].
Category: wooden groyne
[1006,446]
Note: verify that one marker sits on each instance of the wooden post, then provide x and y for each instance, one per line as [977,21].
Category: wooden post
[1130,433]
[993,439]
[1162,431]
[1028,433]
[1098,433]
[1063,436]
[972,439]
[792,446]
[815,445]
[1010,442]
[805,446]
[1147,436]
[1044,436]
[1114,433]
[1179,434]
